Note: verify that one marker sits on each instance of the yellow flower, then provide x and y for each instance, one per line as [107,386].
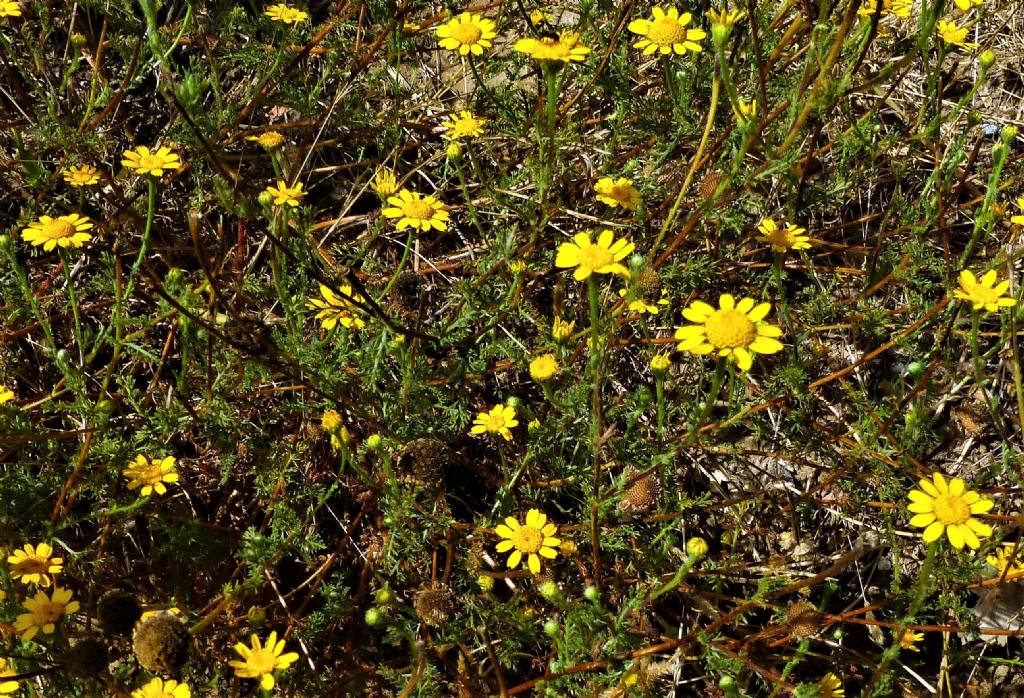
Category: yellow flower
[985,293]
[268,139]
[63,231]
[830,686]
[283,194]
[600,257]
[782,239]
[953,35]
[660,363]
[6,670]
[463,125]
[909,640]
[534,540]
[260,662]
[565,48]
[416,211]
[1019,220]
[467,33]
[158,688]
[83,176]
[285,14]
[145,161]
[538,16]
[735,330]
[6,394]
[562,330]
[618,192]
[339,433]
[336,310]
[499,420]
[745,111]
[517,266]
[895,8]
[543,368]
[32,565]
[724,18]
[639,305]
[939,507]
[9,8]
[966,5]
[150,475]
[666,32]
[1005,562]
[385,183]
[44,612]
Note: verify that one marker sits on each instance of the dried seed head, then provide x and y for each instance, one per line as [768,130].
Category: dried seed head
[161,644]
[649,282]
[641,494]
[803,619]
[425,460]
[709,185]
[118,611]
[433,606]
[87,659]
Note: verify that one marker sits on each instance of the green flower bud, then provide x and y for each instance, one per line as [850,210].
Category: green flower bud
[696,547]
[373,617]
[549,590]
[552,628]
[590,593]
[373,442]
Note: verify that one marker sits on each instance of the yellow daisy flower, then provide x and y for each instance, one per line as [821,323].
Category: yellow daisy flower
[6,394]
[830,686]
[283,194]
[735,330]
[499,420]
[543,368]
[63,231]
[145,161]
[618,192]
[537,16]
[9,8]
[260,662]
[909,640]
[954,35]
[724,18]
[894,8]
[150,475]
[562,330]
[745,111]
[1019,220]
[158,688]
[985,293]
[939,507]
[416,211]
[463,125]
[641,305]
[286,15]
[33,564]
[44,611]
[467,33]
[268,139]
[600,257]
[660,363]
[339,433]
[565,48]
[966,5]
[6,669]
[385,183]
[783,239]
[1005,562]
[666,32]
[336,310]
[83,176]
[534,540]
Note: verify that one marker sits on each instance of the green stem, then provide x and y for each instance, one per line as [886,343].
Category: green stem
[73,300]
[709,402]
[401,264]
[659,390]
[465,194]
[144,245]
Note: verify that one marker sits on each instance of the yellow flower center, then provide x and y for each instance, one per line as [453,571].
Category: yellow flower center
[495,422]
[151,161]
[552,49]
[528,539]
[56,229]
[781,237]
[49,612]
[262,661]
[951,509]
[728,329]
[619,193]
[419,209]
[466,33]
[983,294]
[32,565]
[666,32]
[595,257]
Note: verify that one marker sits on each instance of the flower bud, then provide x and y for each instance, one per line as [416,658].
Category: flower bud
[696,547]
[987,59]
[373,442]
[373,616]
[552,628]
[590,593]
[549,590]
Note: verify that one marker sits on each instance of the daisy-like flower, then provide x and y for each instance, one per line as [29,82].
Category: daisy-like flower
[9,8]
[63,231]
[562,330]
[724,18]
[641,305]
[782,239]
[966,5]
[951,507]
[268,139]
[283,194]
[6,670]
[467,33]
[499,420]
[260,662]
[735,330]
[385,183]
[909,639]
[830,686]
[158,688]
[543,368]
[150,475]
[745,111]
[6,394]
[985,293]
[33,564]
[666,32]
[954,35]
[660,363]
[83,176]
[1019,220]
[44,611]
[600,257]
[463,125]
[532,541]
[335,310]
[618,192]
[1005,562]
[145,161]
[894,8]
[565,48]
[286,15]
[416,211]
[339,433]
[537,16]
